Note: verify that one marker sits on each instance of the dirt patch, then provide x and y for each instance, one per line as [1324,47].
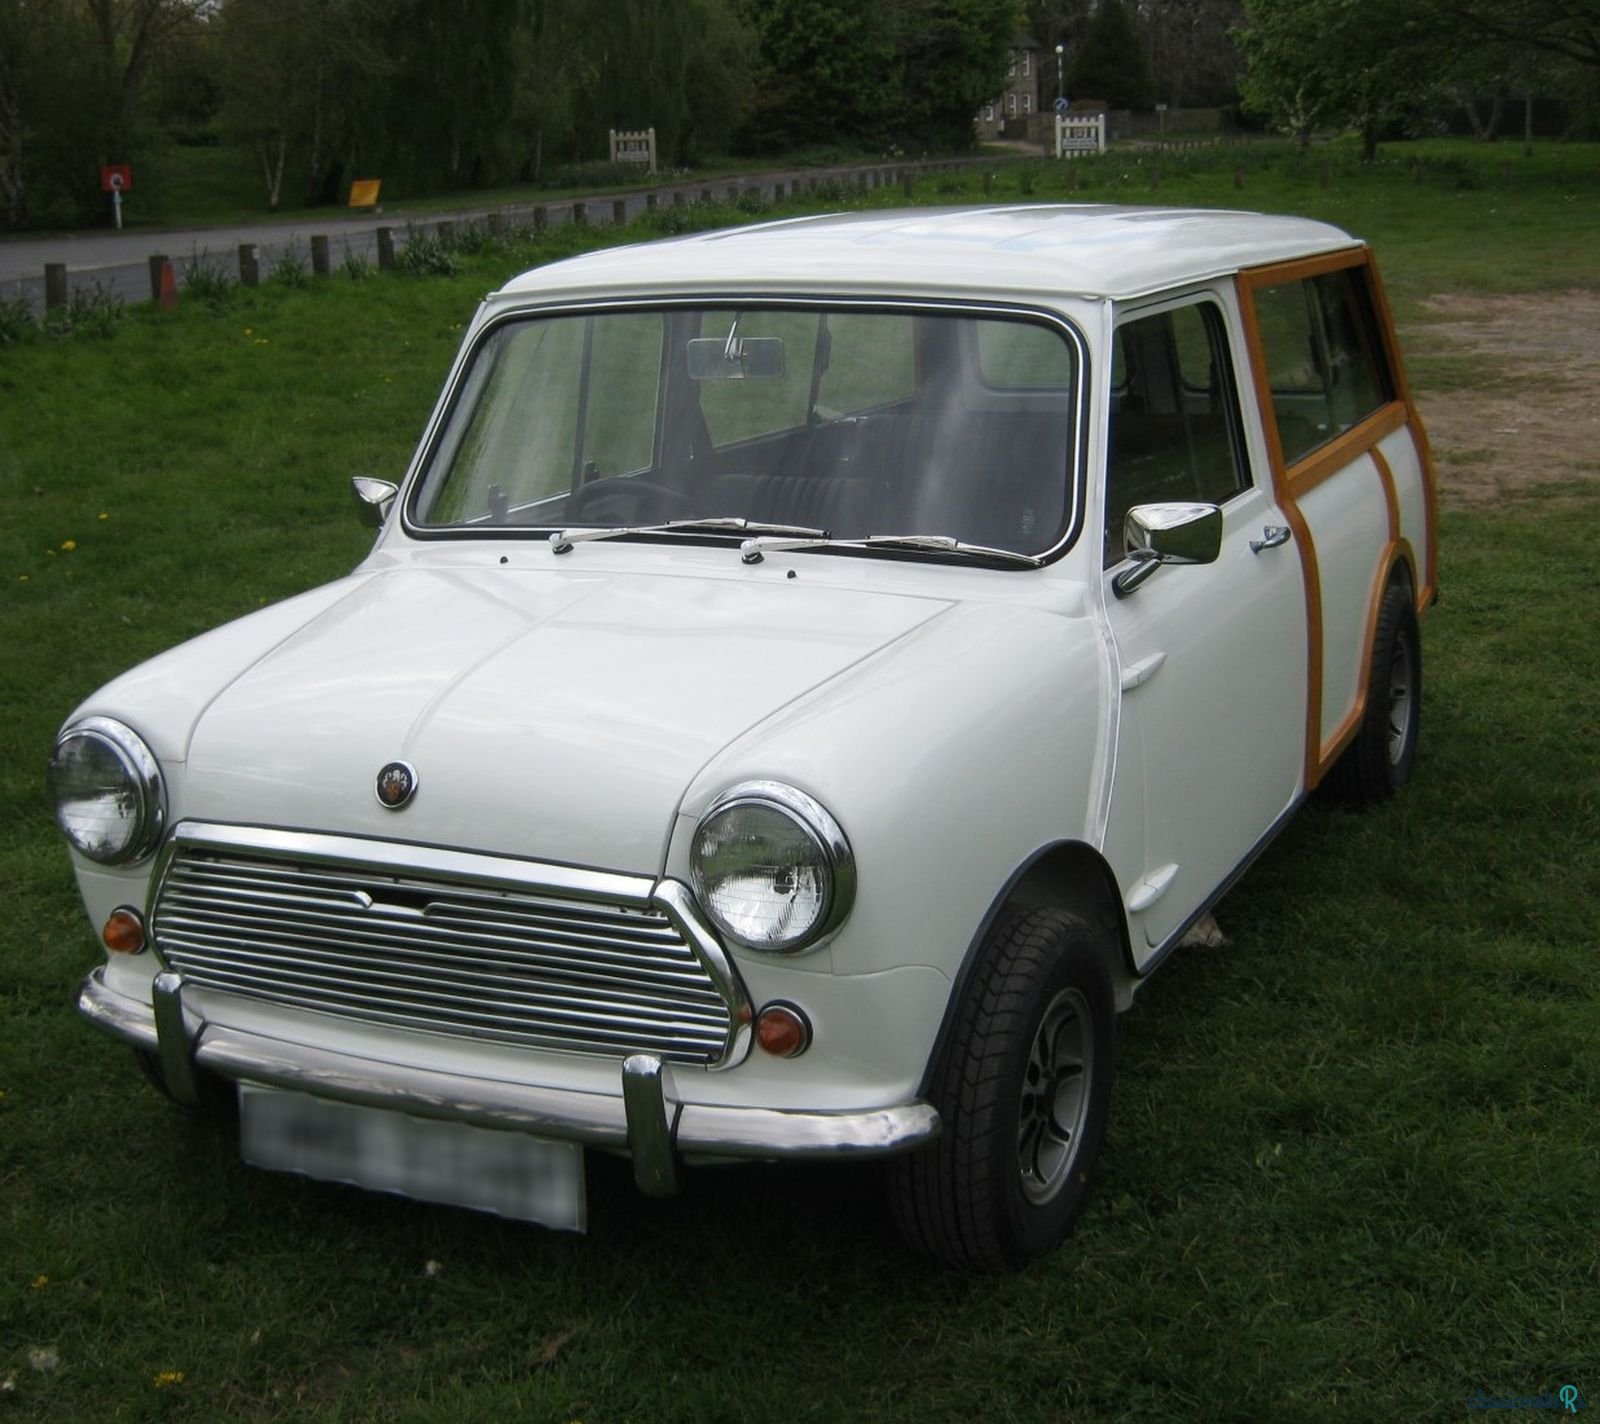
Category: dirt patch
[1536,420]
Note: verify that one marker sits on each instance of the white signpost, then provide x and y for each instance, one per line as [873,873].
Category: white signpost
[638,146]
[1080,133]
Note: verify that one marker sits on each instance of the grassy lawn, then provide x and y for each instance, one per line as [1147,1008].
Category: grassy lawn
[1353,1169]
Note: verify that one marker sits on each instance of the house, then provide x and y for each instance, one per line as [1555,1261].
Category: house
[1010,115]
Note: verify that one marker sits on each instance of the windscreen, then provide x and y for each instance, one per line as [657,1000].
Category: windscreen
[851,421]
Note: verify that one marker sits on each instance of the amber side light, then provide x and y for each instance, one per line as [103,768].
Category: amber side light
[124,931]
[783,1031]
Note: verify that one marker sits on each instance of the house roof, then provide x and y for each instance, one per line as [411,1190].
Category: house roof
[1060,249]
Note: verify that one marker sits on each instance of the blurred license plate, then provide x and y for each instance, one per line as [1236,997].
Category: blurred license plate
[454,1163]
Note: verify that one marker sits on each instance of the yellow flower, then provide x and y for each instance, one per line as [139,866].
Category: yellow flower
[167,1378]
[249,331]
[21,578]
[103,516]
[40,1282]
[68,545]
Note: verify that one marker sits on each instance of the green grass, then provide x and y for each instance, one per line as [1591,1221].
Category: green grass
[1353,1169]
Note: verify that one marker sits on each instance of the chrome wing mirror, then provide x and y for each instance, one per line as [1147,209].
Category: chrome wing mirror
[1159,534]
[374,499]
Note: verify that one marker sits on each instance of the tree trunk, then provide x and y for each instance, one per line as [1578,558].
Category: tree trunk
[1527,124]
[272,169]
[1470,103]
[1369,141]
[1496,113]
[13,189]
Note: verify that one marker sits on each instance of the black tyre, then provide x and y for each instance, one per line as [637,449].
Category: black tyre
[1023,1088]
[1380,759]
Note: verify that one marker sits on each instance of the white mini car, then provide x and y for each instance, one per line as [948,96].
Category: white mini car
[810,675]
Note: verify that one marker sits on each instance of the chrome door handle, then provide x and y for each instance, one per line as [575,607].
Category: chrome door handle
[1271,537]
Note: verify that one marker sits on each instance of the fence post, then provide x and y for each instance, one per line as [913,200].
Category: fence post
[249,265]
[619,212]
[158,263]
[580,214]
[319,254]
[55,285]
[541,218]
[446,233]
[651,202]
[385,237]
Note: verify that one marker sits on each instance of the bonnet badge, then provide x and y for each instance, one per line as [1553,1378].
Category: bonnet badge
[396,785]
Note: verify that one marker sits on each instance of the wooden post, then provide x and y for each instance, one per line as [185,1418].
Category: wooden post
[249,265]
[319,254]
[580,214]
[55,285]
[158,263]
[541,218]
[619,212]
[651,202]
[446,233]
[385,237]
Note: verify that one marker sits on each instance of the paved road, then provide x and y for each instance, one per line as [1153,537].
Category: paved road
[118,262]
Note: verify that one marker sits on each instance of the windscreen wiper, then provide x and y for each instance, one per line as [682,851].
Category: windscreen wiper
[562,540]
[752,550]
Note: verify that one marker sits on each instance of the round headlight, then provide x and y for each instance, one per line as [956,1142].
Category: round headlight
[771,867]
[106,786]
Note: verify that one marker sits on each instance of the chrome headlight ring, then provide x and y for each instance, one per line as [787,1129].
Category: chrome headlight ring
[772,868]
[108,792]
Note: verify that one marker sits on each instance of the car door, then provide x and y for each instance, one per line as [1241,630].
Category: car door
[1211,657]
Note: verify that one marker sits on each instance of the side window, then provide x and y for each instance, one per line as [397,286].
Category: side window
[1325,361]
[1174,416]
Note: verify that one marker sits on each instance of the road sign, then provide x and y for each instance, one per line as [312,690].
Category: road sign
[1062,105]
[116,178]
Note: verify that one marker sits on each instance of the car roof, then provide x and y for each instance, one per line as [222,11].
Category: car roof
[1091,250]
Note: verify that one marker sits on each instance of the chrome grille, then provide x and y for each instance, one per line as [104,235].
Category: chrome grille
[508,963]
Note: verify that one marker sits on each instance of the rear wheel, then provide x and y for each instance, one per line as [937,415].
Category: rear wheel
[1381,758]
[1023,1090]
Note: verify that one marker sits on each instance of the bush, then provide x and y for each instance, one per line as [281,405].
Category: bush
[206,279]
[597,175]
[425,254]
[291,269]
[90,311]
[17,321]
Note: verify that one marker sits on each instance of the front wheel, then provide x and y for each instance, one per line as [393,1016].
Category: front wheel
[1023,1089]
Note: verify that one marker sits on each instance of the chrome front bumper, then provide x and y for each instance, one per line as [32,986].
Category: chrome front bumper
[646,1119]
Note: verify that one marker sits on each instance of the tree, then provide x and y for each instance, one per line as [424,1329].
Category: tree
[951,56]
[1193,58]
[1341,63]
[825,74]
[1112,64]
[289,70]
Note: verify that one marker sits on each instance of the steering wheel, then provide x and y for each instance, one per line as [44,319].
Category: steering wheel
[623,499]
